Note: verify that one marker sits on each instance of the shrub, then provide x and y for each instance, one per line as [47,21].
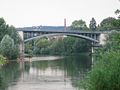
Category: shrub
[7,48]
[105,74]
[2,60]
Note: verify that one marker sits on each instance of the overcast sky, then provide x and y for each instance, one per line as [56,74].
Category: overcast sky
[21,13]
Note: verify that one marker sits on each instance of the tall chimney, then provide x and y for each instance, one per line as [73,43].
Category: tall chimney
[65,24]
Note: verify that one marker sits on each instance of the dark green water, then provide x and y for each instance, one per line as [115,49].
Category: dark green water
[61,74]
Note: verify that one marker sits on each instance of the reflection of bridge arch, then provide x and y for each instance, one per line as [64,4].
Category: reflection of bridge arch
[67,34]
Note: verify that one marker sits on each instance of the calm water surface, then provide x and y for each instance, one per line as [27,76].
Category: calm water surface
[60,74]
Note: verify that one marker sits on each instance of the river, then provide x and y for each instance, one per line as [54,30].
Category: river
[45,74]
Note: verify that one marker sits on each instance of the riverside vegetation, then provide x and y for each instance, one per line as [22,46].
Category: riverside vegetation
[9,42]
[105,73]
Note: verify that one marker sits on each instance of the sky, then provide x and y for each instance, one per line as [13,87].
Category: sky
[24,13]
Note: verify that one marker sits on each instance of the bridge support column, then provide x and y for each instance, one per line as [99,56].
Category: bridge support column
[92,47]
[21,46]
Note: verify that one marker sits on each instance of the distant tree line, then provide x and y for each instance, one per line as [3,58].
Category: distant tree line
[109,23]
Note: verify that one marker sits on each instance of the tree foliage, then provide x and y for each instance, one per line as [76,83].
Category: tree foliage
[117,12]
[107,24]
[10,30]
[79,25]
[68,45]
[92,24]
[116,23]
[8,48]
[105,73]
[3,28]
[9,33]
[40,46]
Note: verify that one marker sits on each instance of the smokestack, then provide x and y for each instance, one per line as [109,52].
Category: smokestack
[65,24]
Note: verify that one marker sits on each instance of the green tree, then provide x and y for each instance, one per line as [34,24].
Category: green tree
[81,46]
[40,44]
[117,12]
[107,24]
[29,46]
[79,25]
[116,23]
[92,24]
[69,43]
[8,48]
[57,48]
[3,28]
[11,31]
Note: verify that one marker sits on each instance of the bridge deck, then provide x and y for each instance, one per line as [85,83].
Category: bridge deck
[61,31]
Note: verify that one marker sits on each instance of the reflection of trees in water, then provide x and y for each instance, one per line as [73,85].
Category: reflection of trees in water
[42,65]
[9,73]
[74,66]
[27,66]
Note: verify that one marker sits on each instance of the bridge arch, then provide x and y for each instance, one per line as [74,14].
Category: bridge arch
[67,34]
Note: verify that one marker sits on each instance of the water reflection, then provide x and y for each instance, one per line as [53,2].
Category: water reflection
[8,74]
[59,74]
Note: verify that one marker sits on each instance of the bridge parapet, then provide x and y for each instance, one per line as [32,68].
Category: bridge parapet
[59,31]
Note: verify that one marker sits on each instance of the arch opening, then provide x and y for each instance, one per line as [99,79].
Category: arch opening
[66,34]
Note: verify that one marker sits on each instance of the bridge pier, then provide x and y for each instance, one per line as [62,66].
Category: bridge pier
[21,46]
[92,49]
